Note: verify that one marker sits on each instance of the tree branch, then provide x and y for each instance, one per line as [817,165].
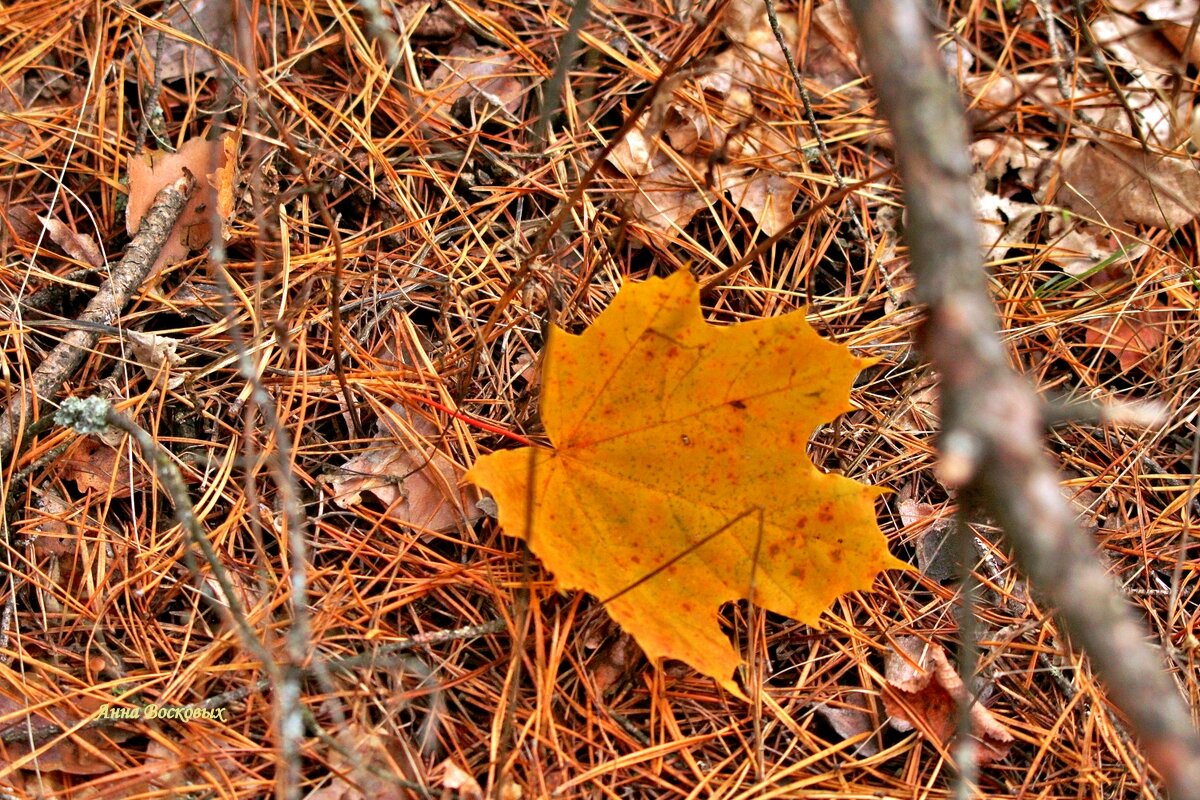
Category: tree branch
[992,419]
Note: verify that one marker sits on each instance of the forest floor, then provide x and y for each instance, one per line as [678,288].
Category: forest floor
[406,214]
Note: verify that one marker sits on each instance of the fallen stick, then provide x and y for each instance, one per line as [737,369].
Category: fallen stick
[104,309]
[991,443]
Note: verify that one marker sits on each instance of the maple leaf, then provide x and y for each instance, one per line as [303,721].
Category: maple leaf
[679,477]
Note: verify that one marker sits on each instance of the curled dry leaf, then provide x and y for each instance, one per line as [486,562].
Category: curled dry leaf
[197,35]
[199,31]
[376,757]
[997,156]
[850,717]
[405,470]
[614,661]
[926,692]
[935,548]
[1149,62]
[1174,19]
[54,529]
[666,190]
[205,759]
[1005,223]
[78,246]
[993,96]
[214,166]
[1080,249]
[20,223]
[157,355]
[484,78]
[96,466]
[832,58]
[18,96]
[245,591]
[669,156]
[456,778]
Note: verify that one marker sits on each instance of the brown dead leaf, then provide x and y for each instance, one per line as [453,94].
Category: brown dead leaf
[245,591]
[483,78]
[994,96]
[437,19]
[157,355]
[214,166]
[207,759]
[935,549]
[746,24]
[199,33]
[614,661]
[1079,248]
[668,156]
[93,751]
[455,777]
[997,156]
[930,690]
[1120,185]
[1149,61]
[92,465]
[1172,19]
[1132,335]
[850,717]
[757,178]
[664,192]
[634,155]
[375,757]
[20,223]
[666,199]
[17,98]
[832,47]
[54,534]
[79,246]
[1005,223]
[921,398]
[768,196]
[418,483]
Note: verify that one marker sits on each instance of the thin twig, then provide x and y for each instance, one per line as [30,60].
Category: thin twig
[94,415]
[104,308]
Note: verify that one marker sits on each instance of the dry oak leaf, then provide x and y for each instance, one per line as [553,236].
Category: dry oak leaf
[678,477]
[214,165]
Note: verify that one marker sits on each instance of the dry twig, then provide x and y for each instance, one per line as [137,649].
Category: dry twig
[104,309]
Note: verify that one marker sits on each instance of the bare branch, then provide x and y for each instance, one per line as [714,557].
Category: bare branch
[992,418]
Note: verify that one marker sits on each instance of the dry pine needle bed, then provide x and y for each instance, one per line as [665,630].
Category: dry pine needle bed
[391,207]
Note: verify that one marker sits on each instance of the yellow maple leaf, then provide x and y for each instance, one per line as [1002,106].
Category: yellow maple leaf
[679,477]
